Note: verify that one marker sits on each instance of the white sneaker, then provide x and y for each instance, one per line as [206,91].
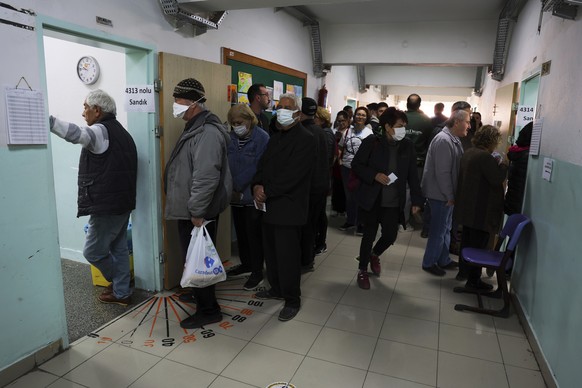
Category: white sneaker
[409,228]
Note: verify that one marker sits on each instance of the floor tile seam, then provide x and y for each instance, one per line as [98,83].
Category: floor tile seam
[84,361]
[468,328]
[74,382]
[400,378]
[194,367]
[363,308]
[408,316]
[468,356]
[406,343]
[417,297]
[335,363]
[305,355]
[146,371]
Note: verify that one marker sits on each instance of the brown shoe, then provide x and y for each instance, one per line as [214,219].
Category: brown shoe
[110,298]
[108,290]
[375,265]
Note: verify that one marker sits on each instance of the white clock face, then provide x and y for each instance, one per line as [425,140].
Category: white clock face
[88,70]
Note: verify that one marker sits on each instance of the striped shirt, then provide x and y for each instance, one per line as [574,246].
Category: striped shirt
[94,138]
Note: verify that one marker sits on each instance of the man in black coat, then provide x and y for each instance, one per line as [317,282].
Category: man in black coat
[319,184]
[281,188]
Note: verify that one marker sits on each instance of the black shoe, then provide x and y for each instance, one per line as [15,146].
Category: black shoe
[187,297]
[198,320]
[288,313]
[452,265]
[253,282]
[320,250]
[307,268]
[461,277]
[266,294]
[478,286]
[424,234]
[435,270]
[360,230]
[346,226]
[238,271]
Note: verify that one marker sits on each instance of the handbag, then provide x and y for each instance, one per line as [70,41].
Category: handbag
[203,266]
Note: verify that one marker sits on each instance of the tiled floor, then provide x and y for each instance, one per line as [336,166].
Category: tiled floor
[403,332]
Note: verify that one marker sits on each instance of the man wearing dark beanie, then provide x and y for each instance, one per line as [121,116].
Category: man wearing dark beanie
[319,185]
[198,184]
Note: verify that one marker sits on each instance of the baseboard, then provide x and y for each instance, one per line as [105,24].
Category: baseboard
[28,363]
[545,368]
[72,254]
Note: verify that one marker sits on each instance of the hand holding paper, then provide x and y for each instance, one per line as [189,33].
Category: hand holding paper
[393,178]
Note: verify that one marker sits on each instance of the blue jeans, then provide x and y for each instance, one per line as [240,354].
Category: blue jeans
[439,235]
[106,248]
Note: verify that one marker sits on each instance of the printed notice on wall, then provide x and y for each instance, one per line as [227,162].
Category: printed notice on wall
[548,167]
[27,123]
[140,98]
[525,114]
[536,136]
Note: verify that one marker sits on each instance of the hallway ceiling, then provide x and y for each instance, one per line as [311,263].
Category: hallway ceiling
[374,20]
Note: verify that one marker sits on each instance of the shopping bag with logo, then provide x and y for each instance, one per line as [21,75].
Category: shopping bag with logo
[203,266]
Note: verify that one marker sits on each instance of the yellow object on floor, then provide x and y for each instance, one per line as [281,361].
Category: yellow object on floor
[99,280]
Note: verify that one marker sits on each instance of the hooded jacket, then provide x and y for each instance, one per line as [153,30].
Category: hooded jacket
[197,177]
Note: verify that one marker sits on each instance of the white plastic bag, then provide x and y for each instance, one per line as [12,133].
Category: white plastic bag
[203,266]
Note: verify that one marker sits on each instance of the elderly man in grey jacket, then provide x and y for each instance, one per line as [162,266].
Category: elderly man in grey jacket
[439,184]
[198,183]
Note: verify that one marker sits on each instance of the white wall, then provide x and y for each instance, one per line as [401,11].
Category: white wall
[546,276]
[409,43]
[66,94]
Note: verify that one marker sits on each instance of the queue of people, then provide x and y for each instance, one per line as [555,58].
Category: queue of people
[277,186]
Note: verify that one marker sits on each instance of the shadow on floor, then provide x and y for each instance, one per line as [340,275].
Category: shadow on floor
[84,311]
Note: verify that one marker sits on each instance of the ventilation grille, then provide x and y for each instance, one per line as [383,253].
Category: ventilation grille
[361,78]
[200,21]
[316,50]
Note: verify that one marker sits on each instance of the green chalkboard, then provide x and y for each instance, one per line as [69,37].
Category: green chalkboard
[264,72]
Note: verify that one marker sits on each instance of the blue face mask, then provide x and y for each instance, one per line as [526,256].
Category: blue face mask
[285,117]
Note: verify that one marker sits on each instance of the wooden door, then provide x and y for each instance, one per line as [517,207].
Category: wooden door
[504,114]
[215,78]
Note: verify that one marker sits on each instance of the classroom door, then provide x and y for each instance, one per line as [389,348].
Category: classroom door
[504,113]
[215,78]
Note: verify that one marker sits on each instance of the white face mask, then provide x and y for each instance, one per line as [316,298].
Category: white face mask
[179,110]
[285,117]
[399,133]
[240,130]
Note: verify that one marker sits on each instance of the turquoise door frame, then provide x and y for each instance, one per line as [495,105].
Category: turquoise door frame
[141,69]
[528,95]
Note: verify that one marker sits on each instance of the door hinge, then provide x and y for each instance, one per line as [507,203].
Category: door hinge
[161,257]
[157,85]
[159,131]
[515,106]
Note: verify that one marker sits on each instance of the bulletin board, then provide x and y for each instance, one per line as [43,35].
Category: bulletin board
[262,72]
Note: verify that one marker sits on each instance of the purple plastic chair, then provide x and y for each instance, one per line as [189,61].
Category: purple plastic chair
[497,261]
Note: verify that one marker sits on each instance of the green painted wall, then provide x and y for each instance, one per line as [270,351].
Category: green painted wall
[548,272]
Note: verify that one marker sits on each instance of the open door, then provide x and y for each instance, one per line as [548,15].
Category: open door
[504,114]
[215,78]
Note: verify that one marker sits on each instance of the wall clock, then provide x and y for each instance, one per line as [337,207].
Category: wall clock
[88,70]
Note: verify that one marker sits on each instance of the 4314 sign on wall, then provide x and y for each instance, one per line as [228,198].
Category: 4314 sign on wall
[525,114]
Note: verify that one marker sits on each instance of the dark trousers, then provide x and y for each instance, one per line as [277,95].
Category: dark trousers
[316,206]
[321,227]
[283,259]
[205,297]
[351,204]
[472,238]
[387,217]
[249,236]
[338,195]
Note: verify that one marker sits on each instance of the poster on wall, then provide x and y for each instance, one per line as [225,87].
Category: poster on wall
[245,80]
[290,89]
[277,89]
[298,90]
[232,95]
[536,136]
[243,98]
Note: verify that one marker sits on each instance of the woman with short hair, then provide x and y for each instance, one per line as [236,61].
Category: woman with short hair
[479,199]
